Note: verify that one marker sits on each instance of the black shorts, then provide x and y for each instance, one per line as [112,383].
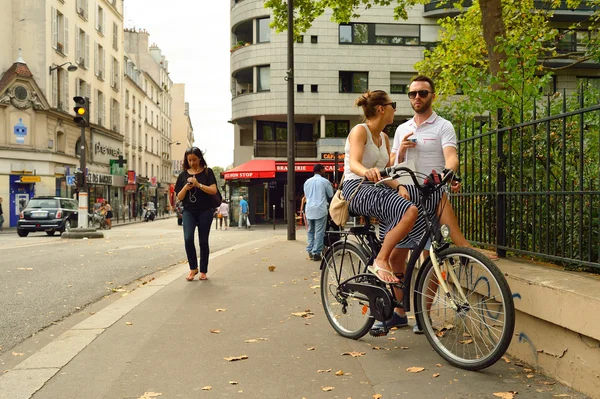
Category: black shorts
[109,215]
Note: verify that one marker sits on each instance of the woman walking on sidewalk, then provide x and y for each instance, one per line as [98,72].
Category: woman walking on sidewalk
[195,186]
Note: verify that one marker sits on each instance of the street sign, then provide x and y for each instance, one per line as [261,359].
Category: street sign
[31,179]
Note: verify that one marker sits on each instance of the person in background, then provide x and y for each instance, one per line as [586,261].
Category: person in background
[109,214]
[317,191]
[223,214]
[1,216]
[195,186]
[244,209]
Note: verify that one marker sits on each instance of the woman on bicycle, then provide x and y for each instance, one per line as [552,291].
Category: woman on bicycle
[367,150]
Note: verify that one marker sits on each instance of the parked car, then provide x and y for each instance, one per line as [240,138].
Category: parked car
[179,211]
[49,214]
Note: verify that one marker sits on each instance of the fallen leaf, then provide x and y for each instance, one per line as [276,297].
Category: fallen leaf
[530,375]
[415,369]
[236,358]
[306,314]
[24,268]
[376,396]
[215,331]
[327,389]
[220,310]
[207,388]
[505,395]
[562,395]
[548,382]
[324,371]
[233,382]
[391,339]
[314,287]
[506,359]
[250,341]
[17,354]
[271,268]
[404,347]
[436,375]
[128,323]
[149,395]
[438,365]
[466,341]
[527,370]
[340,372]
[312,348]
[354,354]
[263,339]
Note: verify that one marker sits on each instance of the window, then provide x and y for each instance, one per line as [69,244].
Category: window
[81,7]
[60,32]
[115,115]
[384,34]
[114,74]
[588,82]
[399,82]
[99,60]
[314,88]
[115,36]
[60,89]
[82,48]
[300,39]
[277,131]
[264,78]
[100,19]
[127,99]
[314,39]
[99,108]
[337,128]
[300,88]
[263,32]
[354,82]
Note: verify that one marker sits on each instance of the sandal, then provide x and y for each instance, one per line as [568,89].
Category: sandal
[375,268]
[191,276]
[202,276]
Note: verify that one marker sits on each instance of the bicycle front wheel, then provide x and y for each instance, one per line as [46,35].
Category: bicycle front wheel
[476,334]
[347,312]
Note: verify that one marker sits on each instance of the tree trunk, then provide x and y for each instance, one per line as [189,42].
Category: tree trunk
[493,27]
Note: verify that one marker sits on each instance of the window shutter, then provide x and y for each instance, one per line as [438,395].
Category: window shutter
[65,89]
[112,73]
[77,45]
[96,13]
[55,88]
[87,51]
[96,60]
[85,9]
[77,83]
[103,62]
[103,22]
[88,92]
[66,43]
[54,17]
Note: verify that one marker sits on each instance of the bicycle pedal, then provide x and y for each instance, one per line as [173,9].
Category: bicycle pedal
[379,331]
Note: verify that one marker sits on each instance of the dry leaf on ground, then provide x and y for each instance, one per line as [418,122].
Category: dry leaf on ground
[271,268]
[506,359]
[128,323]
[312,348]
[415,369]
[306,314]
[436,375]
[339,372]
[215,331]
[207,388]
[327,389]
[220,310]
[506,395]
[236,358]
[562,395]
[149,395]
[354,354]
[377,396]
[233,382]
[17,354]
[250,341]
[324,371]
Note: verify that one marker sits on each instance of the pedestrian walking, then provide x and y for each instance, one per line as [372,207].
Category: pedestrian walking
[195,186]
[244,209]
[109,214]
[1,216]
[223,216]
[317,191]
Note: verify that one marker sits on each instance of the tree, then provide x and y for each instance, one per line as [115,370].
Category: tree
[217,171]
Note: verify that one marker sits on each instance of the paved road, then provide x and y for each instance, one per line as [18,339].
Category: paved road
[45,279]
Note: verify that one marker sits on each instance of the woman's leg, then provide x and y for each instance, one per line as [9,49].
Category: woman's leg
[226,219]
[189,226]
[204,224]
[398,262]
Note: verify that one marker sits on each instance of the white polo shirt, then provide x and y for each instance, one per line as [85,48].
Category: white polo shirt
[432,137]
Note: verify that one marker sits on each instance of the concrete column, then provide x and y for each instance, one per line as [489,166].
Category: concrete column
[322,126]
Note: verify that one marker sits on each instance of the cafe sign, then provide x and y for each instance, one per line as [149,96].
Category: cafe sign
[99,178]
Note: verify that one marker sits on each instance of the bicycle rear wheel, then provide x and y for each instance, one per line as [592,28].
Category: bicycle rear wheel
[477,334]
[347,312]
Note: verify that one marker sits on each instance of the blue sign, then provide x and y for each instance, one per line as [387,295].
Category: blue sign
[70,180]
[20,131]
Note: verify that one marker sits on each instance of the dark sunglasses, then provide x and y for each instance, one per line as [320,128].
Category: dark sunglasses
[393,104]
[191,149]
[422,93]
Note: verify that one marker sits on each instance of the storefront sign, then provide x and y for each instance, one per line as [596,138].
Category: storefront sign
[99,178]
[31,179]
[244,175]
[105,148]
[331,156]
[131,177]
[153,181]
[307,167]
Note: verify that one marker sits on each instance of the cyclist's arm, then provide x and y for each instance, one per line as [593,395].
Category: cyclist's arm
[451,158]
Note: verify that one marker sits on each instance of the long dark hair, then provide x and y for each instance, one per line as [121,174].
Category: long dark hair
[196,151]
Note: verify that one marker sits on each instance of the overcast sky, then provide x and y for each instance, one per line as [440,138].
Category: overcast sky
[195,38]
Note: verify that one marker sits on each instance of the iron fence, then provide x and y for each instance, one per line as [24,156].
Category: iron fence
[534,188]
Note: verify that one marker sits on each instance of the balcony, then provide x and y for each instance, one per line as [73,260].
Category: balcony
[278,149]
[444,8]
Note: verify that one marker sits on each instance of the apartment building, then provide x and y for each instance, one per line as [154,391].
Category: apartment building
[334,63]
[148,121]
[51,51]
[183,131]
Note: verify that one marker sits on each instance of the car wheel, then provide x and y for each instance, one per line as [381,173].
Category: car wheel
[22,233]
[66,227]
[51,232]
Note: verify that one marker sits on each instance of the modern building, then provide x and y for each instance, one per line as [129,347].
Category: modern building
[334,64]
[183,131]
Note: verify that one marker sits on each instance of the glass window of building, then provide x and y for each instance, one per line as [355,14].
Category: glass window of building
[399,82]
[263,33]
[353,82]
[264,78]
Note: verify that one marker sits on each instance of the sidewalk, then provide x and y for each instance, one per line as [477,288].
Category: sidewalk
[170,339]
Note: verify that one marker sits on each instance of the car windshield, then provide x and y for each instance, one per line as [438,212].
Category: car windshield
[39,203]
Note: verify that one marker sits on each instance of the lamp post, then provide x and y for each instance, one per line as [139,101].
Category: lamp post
[70,68]
[291,131]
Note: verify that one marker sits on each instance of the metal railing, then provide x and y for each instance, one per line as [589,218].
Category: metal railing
[434,5]
[534,188]
[303,149]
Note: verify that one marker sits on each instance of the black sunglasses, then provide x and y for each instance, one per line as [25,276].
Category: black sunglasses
[422,93]
[191,149]
[393,104]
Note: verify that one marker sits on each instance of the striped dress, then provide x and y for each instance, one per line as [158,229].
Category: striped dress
[381,202]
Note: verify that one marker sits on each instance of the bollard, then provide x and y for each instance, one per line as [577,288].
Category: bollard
[273,217]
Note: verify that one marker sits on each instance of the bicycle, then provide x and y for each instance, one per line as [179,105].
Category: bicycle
[462,301]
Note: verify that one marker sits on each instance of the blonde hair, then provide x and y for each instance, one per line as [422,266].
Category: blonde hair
[370,100]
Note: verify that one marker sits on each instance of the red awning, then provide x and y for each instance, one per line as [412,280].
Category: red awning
[254,169]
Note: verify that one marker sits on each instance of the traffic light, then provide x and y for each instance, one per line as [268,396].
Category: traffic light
[82,111]
[79,179]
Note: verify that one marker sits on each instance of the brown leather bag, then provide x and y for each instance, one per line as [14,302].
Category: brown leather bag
[339,206]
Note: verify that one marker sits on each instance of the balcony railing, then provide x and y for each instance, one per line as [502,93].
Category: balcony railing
[277,149]
[441,8]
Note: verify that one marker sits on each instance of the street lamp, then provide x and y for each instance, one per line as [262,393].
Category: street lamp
[176,142]
[70,68]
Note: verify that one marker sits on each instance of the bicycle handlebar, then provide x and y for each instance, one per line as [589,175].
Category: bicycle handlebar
[394,172]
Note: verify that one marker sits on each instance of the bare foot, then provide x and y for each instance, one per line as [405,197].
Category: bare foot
[192,274]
